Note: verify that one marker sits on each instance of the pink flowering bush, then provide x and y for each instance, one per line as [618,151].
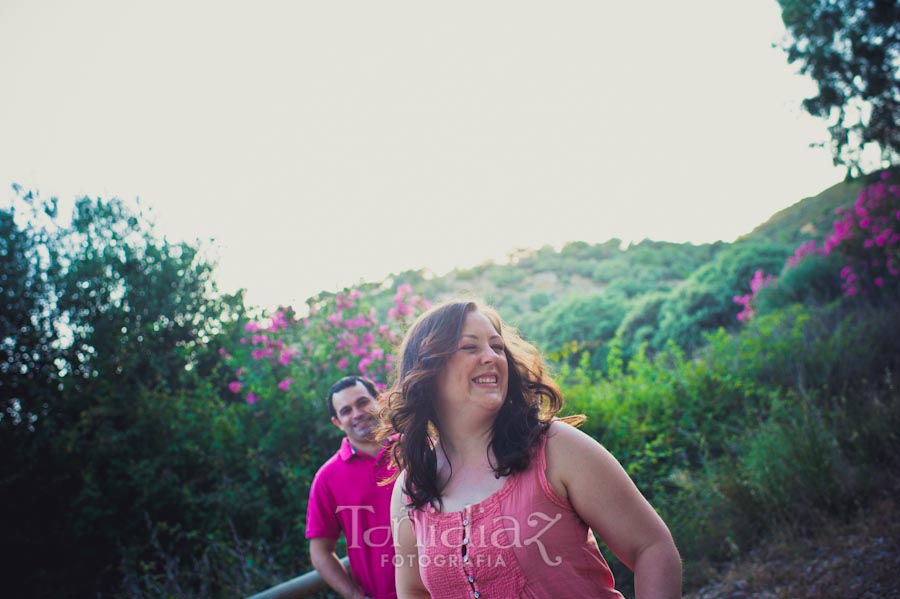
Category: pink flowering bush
[758,282]
[341,335]
[864,244]
[868,234]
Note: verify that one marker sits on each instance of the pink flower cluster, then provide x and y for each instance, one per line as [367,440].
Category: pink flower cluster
[265,347]
[759,281]
[867,235]
[406,304]
[358,337]
[365,346]
[872,221]
[809,248]
[341,335]
[278,321]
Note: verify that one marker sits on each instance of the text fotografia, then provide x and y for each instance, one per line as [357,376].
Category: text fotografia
[443,561]
[506,533]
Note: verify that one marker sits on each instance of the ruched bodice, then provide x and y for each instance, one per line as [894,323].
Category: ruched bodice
[522,541]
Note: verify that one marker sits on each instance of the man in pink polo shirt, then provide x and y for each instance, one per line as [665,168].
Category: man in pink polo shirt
[345,497]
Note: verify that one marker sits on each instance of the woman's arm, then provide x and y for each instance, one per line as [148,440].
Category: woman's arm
[406,558]
[605,497]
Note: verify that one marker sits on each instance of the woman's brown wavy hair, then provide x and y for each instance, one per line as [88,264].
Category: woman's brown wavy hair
[532,399]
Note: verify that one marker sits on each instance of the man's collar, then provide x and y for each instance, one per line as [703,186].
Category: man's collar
[347,451]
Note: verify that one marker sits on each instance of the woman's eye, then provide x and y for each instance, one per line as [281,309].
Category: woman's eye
[468,347]
[498,348]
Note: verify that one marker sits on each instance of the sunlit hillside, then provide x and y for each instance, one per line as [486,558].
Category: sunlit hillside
[649,292]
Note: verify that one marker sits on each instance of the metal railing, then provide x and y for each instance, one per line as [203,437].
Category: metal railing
[298,588]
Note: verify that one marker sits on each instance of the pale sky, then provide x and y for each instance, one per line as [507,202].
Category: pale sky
[324,143]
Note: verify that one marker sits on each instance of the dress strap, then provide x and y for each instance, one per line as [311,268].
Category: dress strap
[540,466]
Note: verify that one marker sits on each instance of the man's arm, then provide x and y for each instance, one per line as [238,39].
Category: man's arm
[330,568]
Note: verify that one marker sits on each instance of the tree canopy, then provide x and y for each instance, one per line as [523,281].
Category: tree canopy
[851,48]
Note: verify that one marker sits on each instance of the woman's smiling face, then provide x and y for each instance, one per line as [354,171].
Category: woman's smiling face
[477,374]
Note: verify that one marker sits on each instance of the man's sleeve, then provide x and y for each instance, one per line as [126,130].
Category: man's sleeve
[321,519]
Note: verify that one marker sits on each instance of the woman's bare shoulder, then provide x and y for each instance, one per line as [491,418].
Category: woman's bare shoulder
[562,436]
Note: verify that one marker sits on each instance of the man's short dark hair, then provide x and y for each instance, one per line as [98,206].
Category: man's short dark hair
[349,381]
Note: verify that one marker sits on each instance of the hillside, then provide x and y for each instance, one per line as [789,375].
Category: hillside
[810,217]
[645,293]
[854,557]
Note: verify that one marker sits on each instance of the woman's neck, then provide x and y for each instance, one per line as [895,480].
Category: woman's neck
[466,445]
[465,470]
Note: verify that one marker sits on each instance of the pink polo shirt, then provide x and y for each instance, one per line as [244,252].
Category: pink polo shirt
[345,497]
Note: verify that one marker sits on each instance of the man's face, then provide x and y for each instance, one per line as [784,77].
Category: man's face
[355,408]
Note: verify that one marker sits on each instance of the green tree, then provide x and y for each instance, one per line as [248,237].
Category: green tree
[851,48]
[101,319]
[27,352]
[141,310]
[705,301]
[32,486]
[640,323]
[589,320]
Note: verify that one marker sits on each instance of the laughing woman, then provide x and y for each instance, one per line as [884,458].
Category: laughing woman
[496,498]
